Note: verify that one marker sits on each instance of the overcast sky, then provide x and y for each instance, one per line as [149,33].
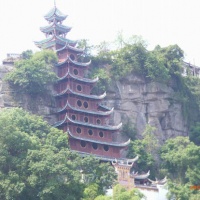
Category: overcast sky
[162,22]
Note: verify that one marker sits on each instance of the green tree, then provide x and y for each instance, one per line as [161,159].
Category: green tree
[128,59]
[150,140]
[121,193]
[178,191]
[156,69]
[35,162]
[181,159]
[103,197]
[103,174]
[104,80]
[91,192]
[27,54]
[195,133]
[34,74]
[172,57]
[145,149]
[129,130]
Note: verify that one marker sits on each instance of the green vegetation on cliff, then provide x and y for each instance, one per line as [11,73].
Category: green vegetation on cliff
[33,73]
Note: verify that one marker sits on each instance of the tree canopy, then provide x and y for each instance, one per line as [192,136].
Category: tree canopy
[34,72]
[36,163]
[181,160]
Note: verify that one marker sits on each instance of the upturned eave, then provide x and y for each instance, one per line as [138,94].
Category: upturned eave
[69,91]
[54,13]
[68,106]
[85,80]
[116,144]
[67,120]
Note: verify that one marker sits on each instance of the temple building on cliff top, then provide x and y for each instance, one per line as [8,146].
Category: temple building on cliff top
[79,113]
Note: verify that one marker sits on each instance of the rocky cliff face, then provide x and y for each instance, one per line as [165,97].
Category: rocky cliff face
[147,103]
[42,105]
[6,99]
[143,103]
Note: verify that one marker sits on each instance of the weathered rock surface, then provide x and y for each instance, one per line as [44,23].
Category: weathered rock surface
[147,103]
[42,105]
[6,99]
[143,103]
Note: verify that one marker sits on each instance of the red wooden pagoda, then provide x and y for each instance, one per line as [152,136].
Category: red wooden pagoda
[79,113]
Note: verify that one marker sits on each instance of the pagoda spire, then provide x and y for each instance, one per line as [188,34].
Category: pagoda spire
[55,3]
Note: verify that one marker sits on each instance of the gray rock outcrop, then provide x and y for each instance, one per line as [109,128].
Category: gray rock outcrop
[147,103]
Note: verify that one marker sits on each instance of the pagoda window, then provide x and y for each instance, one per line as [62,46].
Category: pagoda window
[85,104]
[101,134]
[98,121]
[86,119]
[78,130]
[106,147]
[90,132]
[95,146]
[72,56]
[83,144]
[73,117]
[79,103]
[79,88]
[75,71]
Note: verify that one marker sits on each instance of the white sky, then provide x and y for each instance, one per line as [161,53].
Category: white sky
[162,22]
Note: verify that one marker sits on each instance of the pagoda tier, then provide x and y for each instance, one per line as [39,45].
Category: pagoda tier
[59,28]
[54,42]
[79,113]
[69,75]
[53,14]
[69,59]
[69,107]
[72,48]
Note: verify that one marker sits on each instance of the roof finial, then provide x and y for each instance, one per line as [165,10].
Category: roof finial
[54,3]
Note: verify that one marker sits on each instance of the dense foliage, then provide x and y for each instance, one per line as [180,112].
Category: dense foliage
[34,72]
[129,130]
[157,65]
[119,193]
[181,161]
[145,149]
[35,162]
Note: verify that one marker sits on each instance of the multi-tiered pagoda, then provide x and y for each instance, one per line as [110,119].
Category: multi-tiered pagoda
[79,113]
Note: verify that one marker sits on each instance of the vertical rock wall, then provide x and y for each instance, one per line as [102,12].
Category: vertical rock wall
[147,103]
[41,105]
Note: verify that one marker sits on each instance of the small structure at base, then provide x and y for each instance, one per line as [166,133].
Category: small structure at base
[11,58]
[152,189]
[123,167]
